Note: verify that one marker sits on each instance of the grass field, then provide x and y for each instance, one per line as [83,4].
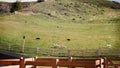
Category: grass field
[54,22]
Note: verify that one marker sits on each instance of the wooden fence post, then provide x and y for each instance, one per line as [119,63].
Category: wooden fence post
[35,58]
[52,52]
[22,62]
[83,53]
[118,52]
[9,47]
[98,52]
[37,50]
[23,48]
[69,53]
[23,45]
[70,60]
[55,63]
[105,63]
[101,63]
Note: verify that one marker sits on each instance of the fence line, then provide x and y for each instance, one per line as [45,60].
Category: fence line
[61,52]
[70,62]
[54,62]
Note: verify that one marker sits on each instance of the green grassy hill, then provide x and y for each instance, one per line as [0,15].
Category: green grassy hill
[77,24]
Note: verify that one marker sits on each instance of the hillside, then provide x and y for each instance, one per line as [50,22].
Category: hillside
[76,24]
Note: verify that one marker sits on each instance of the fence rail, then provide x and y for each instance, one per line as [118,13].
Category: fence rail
[61,52]
[55,63]
[70,62]
[112,62]
[19,62]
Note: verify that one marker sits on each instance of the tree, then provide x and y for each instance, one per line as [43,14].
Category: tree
[41,0]
[16,6]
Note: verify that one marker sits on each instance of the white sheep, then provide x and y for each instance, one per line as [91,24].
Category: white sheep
[56,46]
[109,45]
[63,46]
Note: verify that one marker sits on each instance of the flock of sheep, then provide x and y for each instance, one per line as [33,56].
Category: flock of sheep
[59,46]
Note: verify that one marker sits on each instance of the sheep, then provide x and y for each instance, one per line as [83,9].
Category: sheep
[68,39]
[109,45]
[56,46]
[37,38]
[59,46]
[63,46]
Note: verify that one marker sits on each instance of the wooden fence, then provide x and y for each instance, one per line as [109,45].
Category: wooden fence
[70,63]
[112,62]
[87,63]
[54,63]
[19,62]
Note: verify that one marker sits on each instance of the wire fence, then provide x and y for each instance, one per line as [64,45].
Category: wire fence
[61,52]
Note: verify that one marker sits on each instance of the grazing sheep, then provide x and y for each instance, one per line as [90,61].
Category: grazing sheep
[37,38]
[56,46]
[109,45]
[63,46]
[68,39]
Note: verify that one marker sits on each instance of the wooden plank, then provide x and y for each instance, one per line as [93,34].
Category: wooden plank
[70,62]
[76,64]
[113,64]
[9,59]
[43,62]
[114,59]
[39,63]
[45,59]
[78,59]
[53,62]
[19,62]
[84,59]
[40,59]
[10,62]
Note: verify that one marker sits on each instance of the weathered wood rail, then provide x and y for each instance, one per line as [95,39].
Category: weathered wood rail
[19,62]
[70,63]
[87,63]
[113,62]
